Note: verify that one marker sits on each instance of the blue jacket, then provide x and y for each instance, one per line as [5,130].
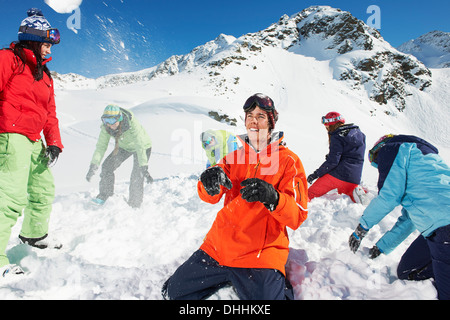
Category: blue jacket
[346,156]
[413,175]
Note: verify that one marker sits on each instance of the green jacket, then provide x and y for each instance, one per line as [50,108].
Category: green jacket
[130,136]
[226,142]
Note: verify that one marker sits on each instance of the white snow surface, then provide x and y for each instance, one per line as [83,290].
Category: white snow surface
[116,252]
[432,48]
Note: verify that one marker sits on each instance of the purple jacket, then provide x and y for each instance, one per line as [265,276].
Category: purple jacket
[346,156]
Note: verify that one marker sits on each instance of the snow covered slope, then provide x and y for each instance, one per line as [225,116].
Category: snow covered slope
[115,252]
[356,53]
[432,48]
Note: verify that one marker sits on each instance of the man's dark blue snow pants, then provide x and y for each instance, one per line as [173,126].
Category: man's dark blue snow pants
[429,258]
[201,276]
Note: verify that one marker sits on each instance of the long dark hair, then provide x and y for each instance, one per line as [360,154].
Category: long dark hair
[36,48]
[332,128]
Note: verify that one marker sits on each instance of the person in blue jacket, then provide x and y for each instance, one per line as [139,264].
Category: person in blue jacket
[413,175]
[343,166]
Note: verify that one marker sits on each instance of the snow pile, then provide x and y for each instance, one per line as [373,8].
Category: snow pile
[321,266]
[115,252]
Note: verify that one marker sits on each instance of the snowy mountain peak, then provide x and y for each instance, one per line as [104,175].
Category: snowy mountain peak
[432,48]
[344,32]
[359,55]
[356,52]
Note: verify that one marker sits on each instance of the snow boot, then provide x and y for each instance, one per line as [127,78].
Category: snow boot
[41,243]
[9,270]
[98,201]
[361,196]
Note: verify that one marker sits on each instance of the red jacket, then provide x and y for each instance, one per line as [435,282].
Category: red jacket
[248,235]
[27,106]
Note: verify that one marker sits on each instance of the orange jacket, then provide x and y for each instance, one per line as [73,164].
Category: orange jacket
[248,235]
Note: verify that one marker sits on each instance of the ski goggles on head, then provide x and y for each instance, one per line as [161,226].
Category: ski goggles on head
[326,120]
[51,35]
[264,102]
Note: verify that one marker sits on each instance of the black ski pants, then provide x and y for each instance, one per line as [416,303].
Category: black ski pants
[429,258]
[201,276]
[107,177]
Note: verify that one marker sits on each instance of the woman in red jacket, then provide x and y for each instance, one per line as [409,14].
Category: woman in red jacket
[265,191]
[27,108]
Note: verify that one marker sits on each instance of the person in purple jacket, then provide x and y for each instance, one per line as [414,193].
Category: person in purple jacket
[343,166]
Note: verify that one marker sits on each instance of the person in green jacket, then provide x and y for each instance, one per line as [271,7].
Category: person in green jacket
[217,144]
[131,139]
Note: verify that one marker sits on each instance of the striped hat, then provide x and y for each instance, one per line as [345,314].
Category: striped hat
[113,111]
[34,21]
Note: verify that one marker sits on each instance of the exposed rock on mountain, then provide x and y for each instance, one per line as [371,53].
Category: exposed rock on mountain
[359,55]
[432,48]
[356,53]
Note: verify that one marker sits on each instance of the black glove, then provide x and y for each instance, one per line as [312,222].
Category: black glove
[212,178]
[311,178]
[148,178]
[356,237]
[52,154]
[260,190]
[374,252]
[92,169]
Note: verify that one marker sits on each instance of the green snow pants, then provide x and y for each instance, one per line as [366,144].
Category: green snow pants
[26,185]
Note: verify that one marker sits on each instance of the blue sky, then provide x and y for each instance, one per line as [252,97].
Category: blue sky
[129,35]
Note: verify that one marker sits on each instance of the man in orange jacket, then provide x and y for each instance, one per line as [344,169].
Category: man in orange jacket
[265,190]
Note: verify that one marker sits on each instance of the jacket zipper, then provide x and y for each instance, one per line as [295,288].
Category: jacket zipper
[265,238]
[267,220]
[256,168]
[265,231]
